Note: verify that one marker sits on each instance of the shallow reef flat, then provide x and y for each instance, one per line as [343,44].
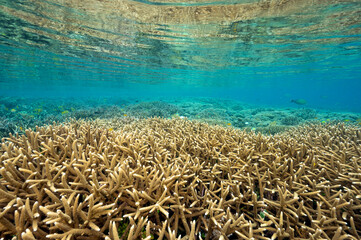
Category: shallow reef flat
[160,178]
[19,114]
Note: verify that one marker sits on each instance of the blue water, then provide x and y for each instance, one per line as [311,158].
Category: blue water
[267,55]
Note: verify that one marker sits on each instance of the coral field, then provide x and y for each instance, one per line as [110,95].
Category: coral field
[178,179]
[19,114]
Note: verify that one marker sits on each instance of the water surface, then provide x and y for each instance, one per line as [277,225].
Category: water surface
[261,52]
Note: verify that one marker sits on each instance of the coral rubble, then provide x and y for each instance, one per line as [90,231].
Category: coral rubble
[161,179]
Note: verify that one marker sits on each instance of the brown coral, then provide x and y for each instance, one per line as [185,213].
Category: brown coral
[163,179]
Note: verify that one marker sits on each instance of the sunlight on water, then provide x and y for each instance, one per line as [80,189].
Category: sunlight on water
[204,43]
[181,36]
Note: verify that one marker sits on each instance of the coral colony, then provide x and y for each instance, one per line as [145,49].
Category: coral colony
[180,179]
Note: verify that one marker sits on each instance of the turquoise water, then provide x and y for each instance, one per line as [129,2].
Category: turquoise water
[264,53]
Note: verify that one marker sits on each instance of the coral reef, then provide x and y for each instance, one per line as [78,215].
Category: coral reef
[152,109]
[28,113]
[272,129]
[290,120]
[306,113]
[6,127]
[211,113]
[164,179]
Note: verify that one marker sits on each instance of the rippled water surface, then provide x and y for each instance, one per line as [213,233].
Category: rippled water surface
[265,52]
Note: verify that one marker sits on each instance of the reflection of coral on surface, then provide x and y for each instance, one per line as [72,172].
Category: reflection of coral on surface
[168,178]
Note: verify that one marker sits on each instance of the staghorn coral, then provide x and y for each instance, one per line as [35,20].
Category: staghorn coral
[6,126]
[272,129]
[153,109]
[162,179]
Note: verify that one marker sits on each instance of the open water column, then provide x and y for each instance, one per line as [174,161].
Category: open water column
[174,119]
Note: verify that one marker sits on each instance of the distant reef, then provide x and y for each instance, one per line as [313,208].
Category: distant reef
[19,114]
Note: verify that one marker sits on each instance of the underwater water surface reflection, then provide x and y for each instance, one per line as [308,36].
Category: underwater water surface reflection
[291,47]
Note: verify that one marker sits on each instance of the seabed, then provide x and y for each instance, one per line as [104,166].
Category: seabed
[154,170]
